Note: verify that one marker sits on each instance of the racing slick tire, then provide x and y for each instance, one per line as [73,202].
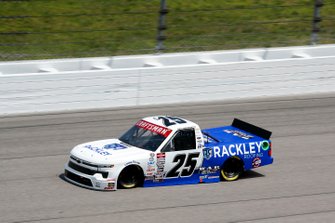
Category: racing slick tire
[130,177]
[232,169]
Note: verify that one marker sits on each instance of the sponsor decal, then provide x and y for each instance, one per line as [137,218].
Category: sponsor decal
[160,155]
[151,161]
[160,167]
[247,149]
[110,186]
[115,146]
[158,177]
[150,170]
[98,150]
[154,128]
[238,134]
[200,143]
[250,156]
[265,145]
[132,162]
[209,170]
[256,162]
[201,178]
[151,165]
[208,139]
[208,153]
[149,177]
[103,151]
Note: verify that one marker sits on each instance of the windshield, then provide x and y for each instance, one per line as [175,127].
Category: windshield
[145,135]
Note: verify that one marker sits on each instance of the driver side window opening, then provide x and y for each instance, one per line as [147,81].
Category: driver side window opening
[183,140]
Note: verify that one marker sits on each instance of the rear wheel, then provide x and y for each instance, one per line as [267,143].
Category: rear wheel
[130,177]
[232,169]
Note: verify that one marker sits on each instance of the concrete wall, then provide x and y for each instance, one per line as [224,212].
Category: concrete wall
[66,84]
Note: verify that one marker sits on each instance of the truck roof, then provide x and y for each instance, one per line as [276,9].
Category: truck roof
[170,122]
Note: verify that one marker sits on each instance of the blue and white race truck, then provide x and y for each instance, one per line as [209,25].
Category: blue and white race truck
[165,150]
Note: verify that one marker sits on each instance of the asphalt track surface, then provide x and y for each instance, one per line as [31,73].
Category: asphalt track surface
[298,187]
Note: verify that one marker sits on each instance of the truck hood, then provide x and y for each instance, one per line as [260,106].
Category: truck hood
[109,151]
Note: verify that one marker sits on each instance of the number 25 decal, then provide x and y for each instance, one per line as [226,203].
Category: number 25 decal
[167,121]
[188,168]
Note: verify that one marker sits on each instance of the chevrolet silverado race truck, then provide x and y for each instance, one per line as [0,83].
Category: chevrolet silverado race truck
[165,150]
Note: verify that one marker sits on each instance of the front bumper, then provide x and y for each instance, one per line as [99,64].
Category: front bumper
[95,181]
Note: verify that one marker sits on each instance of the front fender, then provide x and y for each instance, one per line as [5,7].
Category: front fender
[118,169]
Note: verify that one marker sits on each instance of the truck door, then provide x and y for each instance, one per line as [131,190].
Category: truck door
[181,154]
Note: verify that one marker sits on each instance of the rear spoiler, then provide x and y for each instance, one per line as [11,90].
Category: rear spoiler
[237,123]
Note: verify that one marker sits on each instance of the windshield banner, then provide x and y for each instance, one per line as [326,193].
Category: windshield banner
[154,128]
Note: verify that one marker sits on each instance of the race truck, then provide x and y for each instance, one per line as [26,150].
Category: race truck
[166,150]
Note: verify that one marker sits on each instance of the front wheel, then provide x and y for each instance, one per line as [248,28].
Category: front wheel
[130,177]
[232,169]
